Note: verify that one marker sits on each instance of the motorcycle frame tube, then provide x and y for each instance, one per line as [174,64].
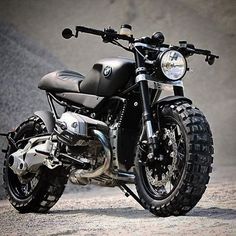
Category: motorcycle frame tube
[52,107]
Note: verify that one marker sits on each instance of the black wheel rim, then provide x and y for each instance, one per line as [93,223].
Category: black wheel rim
[23,187]
[154,184]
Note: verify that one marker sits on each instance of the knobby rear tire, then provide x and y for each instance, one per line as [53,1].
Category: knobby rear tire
[197,168]
[51,183]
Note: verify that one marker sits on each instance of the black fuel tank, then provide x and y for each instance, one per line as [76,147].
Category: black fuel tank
[108,76]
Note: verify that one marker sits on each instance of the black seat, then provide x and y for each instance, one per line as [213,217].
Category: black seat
[61,81]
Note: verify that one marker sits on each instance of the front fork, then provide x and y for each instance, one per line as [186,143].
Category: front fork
[141,79]
[147,114]
[148,118]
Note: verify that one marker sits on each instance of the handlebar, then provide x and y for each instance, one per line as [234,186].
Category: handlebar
[190,49]
[88,30]
[110,35]
[107,34]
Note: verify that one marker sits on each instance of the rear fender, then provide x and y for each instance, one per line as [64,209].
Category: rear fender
[47,118]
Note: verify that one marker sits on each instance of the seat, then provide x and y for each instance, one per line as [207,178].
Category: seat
[61,81]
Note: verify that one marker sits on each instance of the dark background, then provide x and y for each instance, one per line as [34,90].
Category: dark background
[31,46]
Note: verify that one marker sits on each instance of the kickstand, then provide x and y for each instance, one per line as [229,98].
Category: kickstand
[128,192]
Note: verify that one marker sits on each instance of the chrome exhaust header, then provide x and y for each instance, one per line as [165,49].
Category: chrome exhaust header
[83,176]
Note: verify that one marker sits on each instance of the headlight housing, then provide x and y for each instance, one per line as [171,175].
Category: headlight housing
[173,64]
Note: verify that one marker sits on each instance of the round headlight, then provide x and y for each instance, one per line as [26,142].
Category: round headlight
[173,64]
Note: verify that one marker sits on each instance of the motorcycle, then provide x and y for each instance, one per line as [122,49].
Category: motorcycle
[115,130]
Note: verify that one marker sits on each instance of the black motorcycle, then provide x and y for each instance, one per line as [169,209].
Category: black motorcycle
[115,130]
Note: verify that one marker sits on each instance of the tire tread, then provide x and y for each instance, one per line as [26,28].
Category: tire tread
[198,166]
[52,183]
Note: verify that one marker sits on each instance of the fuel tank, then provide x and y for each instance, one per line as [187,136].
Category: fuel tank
[108,76]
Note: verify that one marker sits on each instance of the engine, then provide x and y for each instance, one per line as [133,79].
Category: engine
[85,140]
[75,130]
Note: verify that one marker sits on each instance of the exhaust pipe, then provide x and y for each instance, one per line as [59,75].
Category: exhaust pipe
[84,175]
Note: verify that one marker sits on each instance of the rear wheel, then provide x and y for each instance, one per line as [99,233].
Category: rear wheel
[174,181]
[36,192]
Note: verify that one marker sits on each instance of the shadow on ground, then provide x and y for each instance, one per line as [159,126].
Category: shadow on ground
[127,212]
[133,213]
[214,212]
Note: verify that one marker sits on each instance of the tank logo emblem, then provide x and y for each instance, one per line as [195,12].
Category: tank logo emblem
[107,71]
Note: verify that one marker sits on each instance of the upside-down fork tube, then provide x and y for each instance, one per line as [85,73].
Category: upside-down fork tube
[141,79]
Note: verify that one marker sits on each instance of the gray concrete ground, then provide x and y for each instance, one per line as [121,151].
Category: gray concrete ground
[109,212]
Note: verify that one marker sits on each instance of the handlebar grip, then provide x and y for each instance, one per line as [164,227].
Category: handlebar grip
[124,37]
[88,30]
[202,51]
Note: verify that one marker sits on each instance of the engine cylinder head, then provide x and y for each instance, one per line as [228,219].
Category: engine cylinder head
[73,129]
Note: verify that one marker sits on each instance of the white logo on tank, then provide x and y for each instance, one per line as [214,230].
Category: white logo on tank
[107,71]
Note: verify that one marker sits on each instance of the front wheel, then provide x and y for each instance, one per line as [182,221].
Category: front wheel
[174,181]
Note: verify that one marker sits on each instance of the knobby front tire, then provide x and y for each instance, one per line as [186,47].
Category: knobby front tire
[192,177]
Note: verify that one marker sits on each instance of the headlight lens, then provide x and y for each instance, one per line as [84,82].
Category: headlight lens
[173,64]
